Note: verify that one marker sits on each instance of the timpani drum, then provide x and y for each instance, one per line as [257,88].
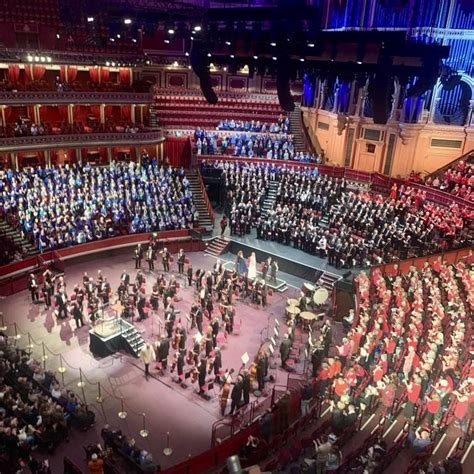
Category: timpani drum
[292,302]
[292,312]
[308,289]
[320,296]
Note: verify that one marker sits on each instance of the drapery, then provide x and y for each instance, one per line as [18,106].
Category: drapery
[34,72]
[126,112]
[62,109]
[94,74]
[13,73]
[95,110]
[177,151]
[104,74]
[71,74]
[62,73]
[124,75]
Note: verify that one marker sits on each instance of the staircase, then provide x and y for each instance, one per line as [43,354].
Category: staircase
[132,337]
[216,246]
[296,129]
[327,280]
[8,231]
[270,198]
[205,219]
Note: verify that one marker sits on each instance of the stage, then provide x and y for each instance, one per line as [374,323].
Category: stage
[167,406]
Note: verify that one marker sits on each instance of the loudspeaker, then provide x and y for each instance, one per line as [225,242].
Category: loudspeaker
[200,64]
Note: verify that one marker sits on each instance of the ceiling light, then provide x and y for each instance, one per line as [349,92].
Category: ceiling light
[175,64]
[197,28]
[30,58]
[255,57]
[127,21]
[90,19]
[209,55]
[302,60]
[167,41]
[186,53]
[274,58]
[273,43]
[311,45]
[171,31]
[118,35]
[359,62]
[58,35]
[232,56]
[228,43]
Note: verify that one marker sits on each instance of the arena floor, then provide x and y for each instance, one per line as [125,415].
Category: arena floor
[168,407]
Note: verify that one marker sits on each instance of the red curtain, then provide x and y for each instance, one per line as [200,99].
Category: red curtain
[104,74]
[108,111]
[71,74]
[177,151]
[124,75]
[62,73]
[38,72]
[13,73]
[28,72]
[62,109]
[94,74]
[95,110]
[8,113]
[127,112]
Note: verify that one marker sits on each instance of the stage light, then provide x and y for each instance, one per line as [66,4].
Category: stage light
[273,44]
[37,59]
[147,61]
[197,28]
[107,63]
[167,41]
[175,64]
[118,35]
[232,56]
[171,31]
[192,38]
[225,68]
[48,59]
[30,58]
[228,43]
[255,57]
[311,45]
[189,67]
[42,59]
[58,35]
[186,53]
[209,55]
[113,64]
[90,19]
[112,40]
[359,62]
[134,40]
[127,21]
[302,60]
[274,58]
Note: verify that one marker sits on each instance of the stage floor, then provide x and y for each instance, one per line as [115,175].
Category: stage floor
[167,406]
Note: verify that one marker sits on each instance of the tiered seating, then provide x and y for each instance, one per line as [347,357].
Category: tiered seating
[186,110]
[45,12]
[457,180]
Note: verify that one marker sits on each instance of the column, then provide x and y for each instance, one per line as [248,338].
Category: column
[395,99]
[70,114]
[132,113]
[434,102]
[138,154]
[102,113]
[336,98]
[351,98]
[4,121]
[14,159]
[47,156]
[79,155]
[109,154]
[36,114]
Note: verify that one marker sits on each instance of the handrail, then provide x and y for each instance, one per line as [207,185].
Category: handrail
[71,97]
[469,155]
[97,139]
[309,138]
[376,180]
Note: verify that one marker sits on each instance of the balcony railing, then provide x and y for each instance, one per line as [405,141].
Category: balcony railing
[77,140]
[74,97]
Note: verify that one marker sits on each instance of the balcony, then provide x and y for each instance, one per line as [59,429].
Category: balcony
[72,97]
[48,142]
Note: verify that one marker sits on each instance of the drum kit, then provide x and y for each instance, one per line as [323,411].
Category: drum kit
[315,298]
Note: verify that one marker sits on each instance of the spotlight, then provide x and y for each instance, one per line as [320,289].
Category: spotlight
[255,57]
[112,40]
[48,59]
[127,21]
[228,43]
[147,61]
[107,63]
[30,58]
[171,31]
[90,19]
[118,35]
[134,40]
[274,58]
[232,56]
[167,41]
[186,53]
[192,38]
[175,64]
[302,60]
[273,44]
[209,55]
[197,28]
[359,62]
[113,64]
[58,35]
[225,68]
[311,45]
[37,59]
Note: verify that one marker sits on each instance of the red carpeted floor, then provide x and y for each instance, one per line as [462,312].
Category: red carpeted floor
[168,408]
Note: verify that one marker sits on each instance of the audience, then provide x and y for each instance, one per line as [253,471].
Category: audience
[282,126]
[62,206]
[457,180]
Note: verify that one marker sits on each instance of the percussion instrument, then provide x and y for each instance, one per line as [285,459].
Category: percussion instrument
[308,316]
[292,311]
[308,289]
[292,302]
[320,296]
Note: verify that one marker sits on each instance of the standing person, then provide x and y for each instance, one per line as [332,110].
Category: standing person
[47,293]
[261,372]
[223,224]
[150,258]
[181,260]
[61,304]
[138,256]
[285,347]
[252,271]
[147,355]
[163,347]
[236,395]
[240,263]
[95,465]
[273,271]
[165,258]
[189,274]
[246,386]
[77,313]
[217,366]
[33,287]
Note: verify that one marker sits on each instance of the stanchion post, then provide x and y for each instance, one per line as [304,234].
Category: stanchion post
[144,432]
[99,395]
[61,368]
[168,451]
[122,413]
[45,356]
[81,382]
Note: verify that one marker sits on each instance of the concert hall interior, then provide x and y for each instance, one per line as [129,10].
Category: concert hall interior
[236,236]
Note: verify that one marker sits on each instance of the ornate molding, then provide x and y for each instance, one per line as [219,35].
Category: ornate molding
[91,139]
[73,97]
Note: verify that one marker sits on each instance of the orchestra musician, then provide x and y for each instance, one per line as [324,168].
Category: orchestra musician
[217,364]
[125,278]
[202,369]
[196,317]
[169,317]
[225,391]
[155,298]
[150,258]
[165,259]
[261,371]
[181,259]
[61,304]
[33,287]
[76,310]
[162,352]
[138,256]
[190,275]
[236,395]
[47,291]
